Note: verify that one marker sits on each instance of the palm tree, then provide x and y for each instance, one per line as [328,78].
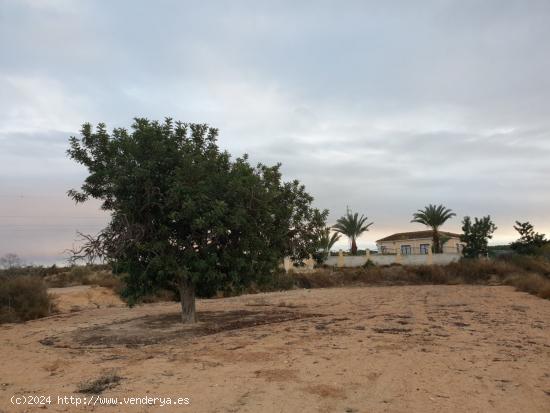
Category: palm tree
[352,226]
[325,242]
[433,216]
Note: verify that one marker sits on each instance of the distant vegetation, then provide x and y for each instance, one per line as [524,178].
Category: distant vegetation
[476,236]
[325,243]
[524,264]
[352,226]
[530,242]
[24,297]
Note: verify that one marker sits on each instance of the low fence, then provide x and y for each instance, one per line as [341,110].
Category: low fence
[349,261]
[379,259]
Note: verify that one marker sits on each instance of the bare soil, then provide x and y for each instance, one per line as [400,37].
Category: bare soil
[364,349]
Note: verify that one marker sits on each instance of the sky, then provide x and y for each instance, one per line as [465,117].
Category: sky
[382,107]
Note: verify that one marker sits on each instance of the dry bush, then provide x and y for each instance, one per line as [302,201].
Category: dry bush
[97,386]
[531,283]
[86,275]
[482,271]
[278,281]
[159,296]
[529,263]
[322,278]
[472,271]
[23,298]
[105,279]
[432,274]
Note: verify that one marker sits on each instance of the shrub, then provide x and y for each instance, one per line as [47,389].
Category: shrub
[528,263]
[432,274]
[318,279]
[97,386]
[105,279]
[531,283]
[159,296]
[23,298]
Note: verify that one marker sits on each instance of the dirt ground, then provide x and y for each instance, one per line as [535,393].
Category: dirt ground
[80,297]
[370,349]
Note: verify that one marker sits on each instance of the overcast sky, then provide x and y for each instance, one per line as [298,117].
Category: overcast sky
[381,106]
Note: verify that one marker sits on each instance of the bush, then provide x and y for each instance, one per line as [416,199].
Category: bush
[433,274]
[536,284]
[23,298]
[159,296]
[528,263]
[97,386]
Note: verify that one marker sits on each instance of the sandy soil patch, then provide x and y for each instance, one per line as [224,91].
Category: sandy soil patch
[70,299]
[371,349]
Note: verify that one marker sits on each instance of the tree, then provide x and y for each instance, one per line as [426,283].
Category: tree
[529,242]
[184,215]
[10,260]
[476,236]
[352,226]
[434,217]
[325,242]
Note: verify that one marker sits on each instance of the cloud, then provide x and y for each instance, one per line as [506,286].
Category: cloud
[384,107]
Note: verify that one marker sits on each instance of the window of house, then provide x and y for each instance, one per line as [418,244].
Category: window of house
[406,250]
[424,248]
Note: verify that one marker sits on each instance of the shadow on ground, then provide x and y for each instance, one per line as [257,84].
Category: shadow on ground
[157,329]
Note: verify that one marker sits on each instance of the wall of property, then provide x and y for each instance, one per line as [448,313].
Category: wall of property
[379,259]
[342,261]
[393,247]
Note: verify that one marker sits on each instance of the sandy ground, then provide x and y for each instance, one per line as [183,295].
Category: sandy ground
[70,299]
[372,349]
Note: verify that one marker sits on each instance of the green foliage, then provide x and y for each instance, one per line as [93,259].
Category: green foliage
[186,215]
[434,216]
[476,236]
[529,242]
[352,226]
[325,242]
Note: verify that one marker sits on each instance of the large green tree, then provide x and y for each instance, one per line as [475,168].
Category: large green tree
[184,213]
[476,236]
[434,216]
[352,226]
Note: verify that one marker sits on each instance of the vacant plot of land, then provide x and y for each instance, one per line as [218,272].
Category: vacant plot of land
[372,349]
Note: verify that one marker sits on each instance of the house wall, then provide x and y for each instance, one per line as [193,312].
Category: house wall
[392,247]
[379,259]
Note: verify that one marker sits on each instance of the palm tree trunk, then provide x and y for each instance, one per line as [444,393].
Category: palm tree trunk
[353,247]
[436,246]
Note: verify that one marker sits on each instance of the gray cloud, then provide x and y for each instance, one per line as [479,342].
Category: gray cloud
[382,107]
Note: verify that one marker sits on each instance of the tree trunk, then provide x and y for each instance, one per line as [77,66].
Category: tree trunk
[436,246]
[353,247]
[187,298]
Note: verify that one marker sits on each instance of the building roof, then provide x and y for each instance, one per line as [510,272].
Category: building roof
[402,236]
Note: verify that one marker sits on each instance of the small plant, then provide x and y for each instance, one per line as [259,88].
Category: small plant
[97,386]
